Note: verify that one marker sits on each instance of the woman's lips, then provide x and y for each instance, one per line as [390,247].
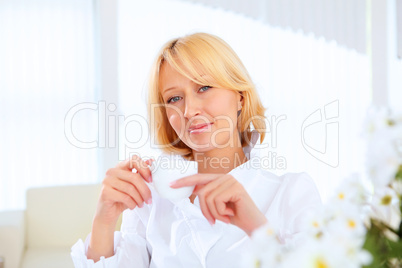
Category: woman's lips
[199,128]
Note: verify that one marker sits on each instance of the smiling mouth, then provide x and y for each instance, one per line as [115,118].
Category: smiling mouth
[199,128]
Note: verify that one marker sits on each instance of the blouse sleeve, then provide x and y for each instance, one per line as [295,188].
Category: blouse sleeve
[130,246]
[297,198]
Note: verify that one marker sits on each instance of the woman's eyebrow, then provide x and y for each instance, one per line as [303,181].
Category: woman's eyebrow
[168,89]
[164,91]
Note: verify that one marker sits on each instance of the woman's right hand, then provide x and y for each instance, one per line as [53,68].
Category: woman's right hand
[121,189]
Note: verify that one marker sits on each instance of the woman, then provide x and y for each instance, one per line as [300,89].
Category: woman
[205,105]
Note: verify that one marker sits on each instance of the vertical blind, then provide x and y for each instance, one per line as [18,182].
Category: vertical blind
[399,27]
[46,68]
[299,76]
[340,20]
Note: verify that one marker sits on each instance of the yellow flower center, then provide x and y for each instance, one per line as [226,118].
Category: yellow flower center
[390,122]
[318,235]
[315,224]
[257,264]
[341,196]
[351,224]
[386,200]
[321,264]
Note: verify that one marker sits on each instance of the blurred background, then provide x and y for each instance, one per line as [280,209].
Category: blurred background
[73,76]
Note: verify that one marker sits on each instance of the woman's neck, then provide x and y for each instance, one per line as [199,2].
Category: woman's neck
[220,160]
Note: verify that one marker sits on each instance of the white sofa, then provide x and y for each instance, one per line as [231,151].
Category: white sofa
[54,219]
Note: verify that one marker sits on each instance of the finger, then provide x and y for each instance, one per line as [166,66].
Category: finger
[204,208]
[204,198]
[149,161]
[218,188]
[140,165]
[223,208]
[197,189]
[203,190]
[119,197]
[135,179]
[210,203]
[126,188]
[212,183]
[223,200]
[215,204]
[196,179]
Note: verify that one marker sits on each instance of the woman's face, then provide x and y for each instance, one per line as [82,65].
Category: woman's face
[203,117]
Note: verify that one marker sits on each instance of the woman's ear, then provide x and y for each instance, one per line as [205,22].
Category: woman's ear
[240,101]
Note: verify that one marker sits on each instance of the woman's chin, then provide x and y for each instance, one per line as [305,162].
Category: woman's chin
[204,144]
[199,143]
[201,148]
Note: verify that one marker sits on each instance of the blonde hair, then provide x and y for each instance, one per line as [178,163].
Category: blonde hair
[206,60]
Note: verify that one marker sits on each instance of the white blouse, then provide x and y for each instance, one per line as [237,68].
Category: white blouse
[166,234]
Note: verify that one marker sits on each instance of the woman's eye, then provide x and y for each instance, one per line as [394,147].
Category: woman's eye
[173,99]
[177,98]
[205,88]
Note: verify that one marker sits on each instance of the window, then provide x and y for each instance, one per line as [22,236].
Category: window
[46,67]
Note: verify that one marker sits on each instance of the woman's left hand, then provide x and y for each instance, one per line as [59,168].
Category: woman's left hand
[223,198]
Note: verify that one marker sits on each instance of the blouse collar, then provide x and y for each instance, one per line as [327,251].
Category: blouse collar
[249,150]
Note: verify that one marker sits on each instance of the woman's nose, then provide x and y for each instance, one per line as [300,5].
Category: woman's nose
[192,107]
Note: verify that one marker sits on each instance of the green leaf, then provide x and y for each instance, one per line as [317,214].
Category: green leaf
[398,175]
[377,245]
[395,249]
[400,224]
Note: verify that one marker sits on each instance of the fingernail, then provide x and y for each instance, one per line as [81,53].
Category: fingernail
[149,201]
[172,183]
[150,178]
[141,205]
[211,222]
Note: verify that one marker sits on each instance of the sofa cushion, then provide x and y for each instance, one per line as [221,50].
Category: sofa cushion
[12,237]
[47,258]
[59,216]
